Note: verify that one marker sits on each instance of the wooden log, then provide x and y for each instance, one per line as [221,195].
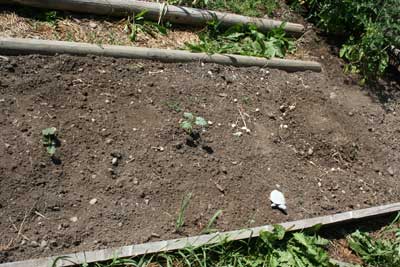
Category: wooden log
[19,46]
[175,244]
[173,14]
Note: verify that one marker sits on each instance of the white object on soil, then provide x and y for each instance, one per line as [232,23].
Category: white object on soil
[278,200]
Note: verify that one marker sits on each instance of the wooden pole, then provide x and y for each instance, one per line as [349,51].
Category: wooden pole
[173,14]
[18,46]
[194,241]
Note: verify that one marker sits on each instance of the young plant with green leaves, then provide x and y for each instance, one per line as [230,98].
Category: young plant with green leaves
[243,40]
[49,140]
[191,121]
[137,24]
[180,221]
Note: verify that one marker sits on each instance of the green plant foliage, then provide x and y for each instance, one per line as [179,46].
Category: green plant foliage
[137,23]
[180,221]
[271,249]
[369,28]
[376,252]
[243,40]
[49,140]
[253,8]
[190,121]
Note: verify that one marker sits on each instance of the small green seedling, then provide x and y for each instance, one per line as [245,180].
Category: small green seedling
[191,121]
[49,140]
[180,221]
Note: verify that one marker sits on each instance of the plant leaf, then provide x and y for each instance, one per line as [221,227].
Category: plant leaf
[49,131]
[200,121]
[51,150]
[188,115]
[187,126]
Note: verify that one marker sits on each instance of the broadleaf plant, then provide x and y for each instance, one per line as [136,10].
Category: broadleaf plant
[49,140]
[190,121]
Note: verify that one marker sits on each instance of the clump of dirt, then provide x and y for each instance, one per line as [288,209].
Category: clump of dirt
[324,143]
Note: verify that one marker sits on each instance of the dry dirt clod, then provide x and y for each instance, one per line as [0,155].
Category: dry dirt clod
[93,201]
[114,161]
[73,219]
[390,170]
[43,243]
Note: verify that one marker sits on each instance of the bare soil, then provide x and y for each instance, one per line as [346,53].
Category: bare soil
[317,137]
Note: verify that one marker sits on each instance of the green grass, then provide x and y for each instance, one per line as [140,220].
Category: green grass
[254,8]
[180,221]
[277,248]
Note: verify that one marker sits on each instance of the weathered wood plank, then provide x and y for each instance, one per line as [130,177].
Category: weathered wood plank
[18,46]
[173,14]
[168,245]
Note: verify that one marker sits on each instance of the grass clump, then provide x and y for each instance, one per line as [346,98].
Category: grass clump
[253,8]
[243,40]
[180,221]
[137,24]
[368,29]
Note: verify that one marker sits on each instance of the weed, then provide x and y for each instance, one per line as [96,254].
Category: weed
[50,17]
[243,40]
[190,122]
[49,140]
[137,24]
[378,251]
[180,221]
[208,229]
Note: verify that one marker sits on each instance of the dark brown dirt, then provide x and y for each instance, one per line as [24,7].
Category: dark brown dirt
[317,137]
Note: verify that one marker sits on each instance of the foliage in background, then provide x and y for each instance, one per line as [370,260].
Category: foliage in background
[136,24]
[254,8]
[369,28]
[243,40]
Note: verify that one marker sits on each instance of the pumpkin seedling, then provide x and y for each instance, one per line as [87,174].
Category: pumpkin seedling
[190,122]
[49,140]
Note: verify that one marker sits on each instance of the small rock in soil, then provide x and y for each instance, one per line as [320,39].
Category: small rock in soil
[73,219]
[390,171]
[43,243]
[34,244]
[93,201]
[114,161]
[332,95]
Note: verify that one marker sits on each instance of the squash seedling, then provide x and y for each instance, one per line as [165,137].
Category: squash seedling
[190,122]
[192,125]
[49,140]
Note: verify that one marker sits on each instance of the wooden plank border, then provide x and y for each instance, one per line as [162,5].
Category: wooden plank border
[174,244]
[19,46]
[171,13]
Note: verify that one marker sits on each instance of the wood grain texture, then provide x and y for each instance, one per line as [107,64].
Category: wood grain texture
[19,46]
[173,14]
[169,245]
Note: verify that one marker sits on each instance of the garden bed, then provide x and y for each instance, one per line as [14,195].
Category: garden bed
[315,136]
